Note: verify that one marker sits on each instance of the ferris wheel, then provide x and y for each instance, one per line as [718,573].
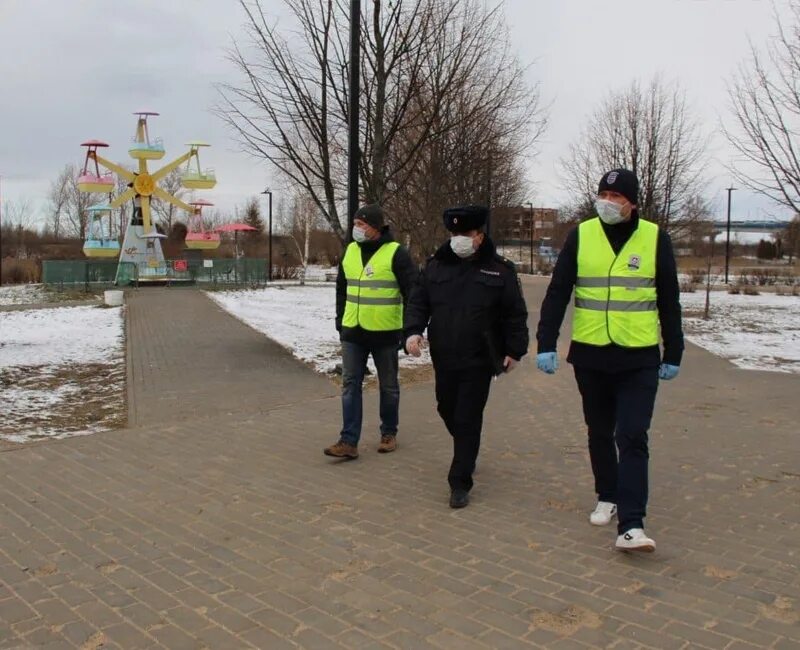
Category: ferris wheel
[141,245]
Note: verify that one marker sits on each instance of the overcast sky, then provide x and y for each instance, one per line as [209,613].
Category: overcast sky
[75,69]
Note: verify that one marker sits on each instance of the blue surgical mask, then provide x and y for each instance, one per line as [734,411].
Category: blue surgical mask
[359,234]
[462,245]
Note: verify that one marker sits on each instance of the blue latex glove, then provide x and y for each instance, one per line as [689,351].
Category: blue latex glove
[667,372]
[547,362]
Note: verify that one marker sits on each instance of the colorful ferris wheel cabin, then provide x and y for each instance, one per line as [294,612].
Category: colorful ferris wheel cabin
[91,179]
[99,242]
[143,147]
[197,237]
[194,177]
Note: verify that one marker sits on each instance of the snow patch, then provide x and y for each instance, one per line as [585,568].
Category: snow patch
[60,335]
[22,294]
[61,372]
[754,332]
[301,319]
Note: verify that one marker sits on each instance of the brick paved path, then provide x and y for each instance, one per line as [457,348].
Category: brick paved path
[200,528]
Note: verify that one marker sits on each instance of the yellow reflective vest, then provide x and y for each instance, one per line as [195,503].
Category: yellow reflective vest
[615,294]
[374,301]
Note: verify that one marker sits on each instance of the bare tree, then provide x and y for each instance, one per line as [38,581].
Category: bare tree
[68,204]
[650,131]
[696,227]
[280,111]
[420,59]
[305,220]
[17,228]
[765,102]
[57,201]
[18,213]
[164,210]
[790,238]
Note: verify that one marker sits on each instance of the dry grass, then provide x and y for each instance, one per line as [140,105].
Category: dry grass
[57,401]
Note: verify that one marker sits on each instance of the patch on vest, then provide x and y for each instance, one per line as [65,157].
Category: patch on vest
[487,272]
[369,271]
[634,262]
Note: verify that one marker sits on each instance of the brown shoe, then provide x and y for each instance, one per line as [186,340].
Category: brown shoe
[342,450]
[388,443]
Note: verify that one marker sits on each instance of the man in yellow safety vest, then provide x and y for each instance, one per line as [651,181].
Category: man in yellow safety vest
[626,298]
[375,278]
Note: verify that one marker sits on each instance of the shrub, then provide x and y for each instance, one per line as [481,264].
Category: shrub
[750,291]
[544,267]
[697,276]
[285,272]
[20,271]
[734,289]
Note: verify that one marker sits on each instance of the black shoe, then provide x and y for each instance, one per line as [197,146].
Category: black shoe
[459,498]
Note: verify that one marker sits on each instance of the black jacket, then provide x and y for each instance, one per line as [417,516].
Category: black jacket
[473,309]
[613,358]
[406,273]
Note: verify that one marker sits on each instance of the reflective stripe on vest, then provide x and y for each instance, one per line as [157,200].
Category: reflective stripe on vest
[615,295]
[373,301]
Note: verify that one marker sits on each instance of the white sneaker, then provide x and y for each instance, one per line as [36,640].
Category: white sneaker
[635,540]
[603,513]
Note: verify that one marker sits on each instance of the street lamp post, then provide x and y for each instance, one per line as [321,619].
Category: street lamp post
[728,235]
[269,248]
[530,205]
[353,155]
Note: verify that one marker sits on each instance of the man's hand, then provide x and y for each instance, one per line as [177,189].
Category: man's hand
[667,371]
[547,362]
[509,364]
[414,345]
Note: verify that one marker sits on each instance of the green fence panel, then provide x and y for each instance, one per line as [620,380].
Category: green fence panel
[242,271]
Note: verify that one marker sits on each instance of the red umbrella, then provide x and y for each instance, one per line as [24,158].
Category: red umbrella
[235,228]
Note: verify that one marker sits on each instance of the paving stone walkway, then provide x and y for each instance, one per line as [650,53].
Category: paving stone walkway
[216,522]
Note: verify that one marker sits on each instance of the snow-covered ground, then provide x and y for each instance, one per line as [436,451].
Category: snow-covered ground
[62,372]
[22,294]
[755,332]
[319,273]
[301,319]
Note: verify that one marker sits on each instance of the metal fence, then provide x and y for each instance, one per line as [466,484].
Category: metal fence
[86,273]
[99,273]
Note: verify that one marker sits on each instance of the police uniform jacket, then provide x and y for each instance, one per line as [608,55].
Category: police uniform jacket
[473,309]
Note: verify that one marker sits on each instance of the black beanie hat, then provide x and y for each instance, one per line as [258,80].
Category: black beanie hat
[371,214]
[622,181]
[464,218]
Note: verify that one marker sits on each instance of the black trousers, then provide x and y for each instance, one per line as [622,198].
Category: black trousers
[461,397]
[618,407]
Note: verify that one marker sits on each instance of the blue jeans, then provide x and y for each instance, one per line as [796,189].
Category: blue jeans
[354,362]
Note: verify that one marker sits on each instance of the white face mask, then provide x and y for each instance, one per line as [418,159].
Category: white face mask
[359,234]
[608,211]
[462,245]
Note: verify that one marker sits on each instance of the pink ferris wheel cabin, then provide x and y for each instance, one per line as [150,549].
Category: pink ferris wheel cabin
[91,180]
[197,238]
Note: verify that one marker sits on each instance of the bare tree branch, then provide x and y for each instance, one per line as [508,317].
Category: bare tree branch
[765,103]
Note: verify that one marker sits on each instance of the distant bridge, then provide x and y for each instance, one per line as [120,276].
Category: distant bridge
[752,226]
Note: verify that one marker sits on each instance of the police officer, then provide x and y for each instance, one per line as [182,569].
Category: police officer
[374,281]
[469,299]
[623,271]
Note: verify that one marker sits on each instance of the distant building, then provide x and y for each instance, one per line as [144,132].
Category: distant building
[521,224]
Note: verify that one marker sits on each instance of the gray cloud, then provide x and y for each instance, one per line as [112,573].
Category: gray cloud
[73,70]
